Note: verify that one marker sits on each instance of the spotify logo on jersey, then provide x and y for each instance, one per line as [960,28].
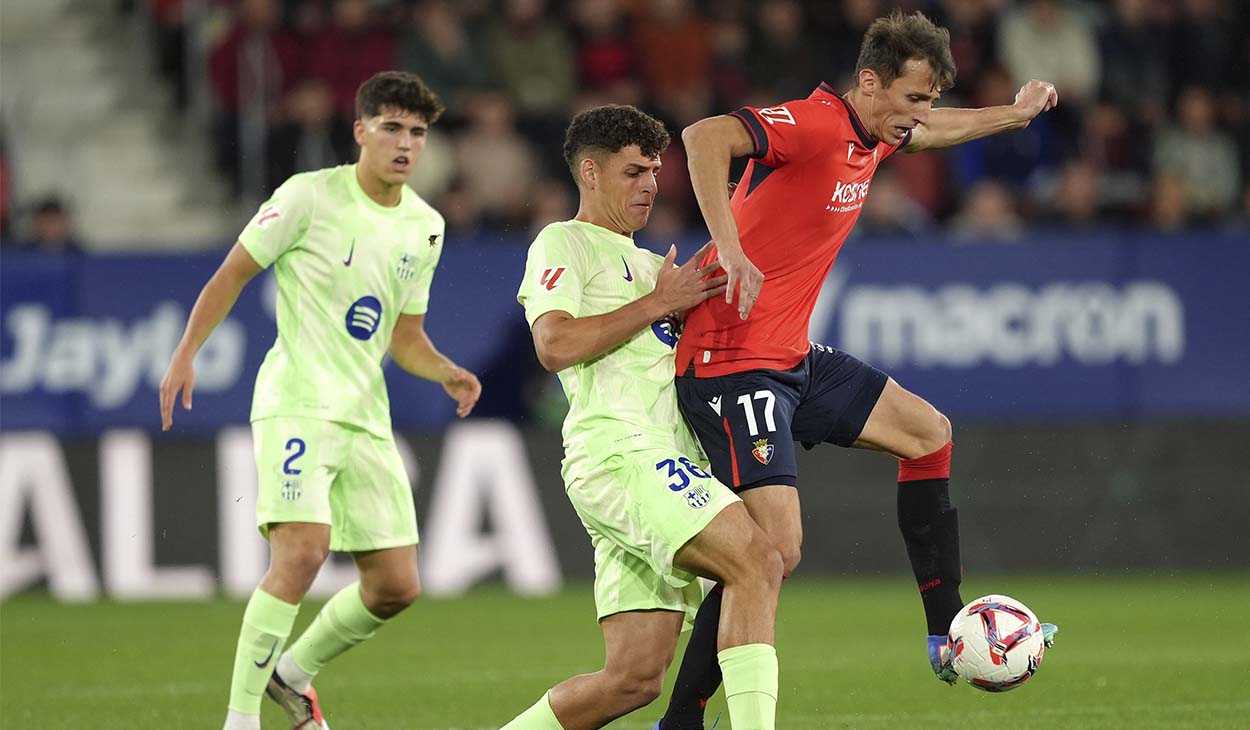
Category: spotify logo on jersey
[363,318]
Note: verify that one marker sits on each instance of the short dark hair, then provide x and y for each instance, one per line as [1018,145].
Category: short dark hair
[894,40]
[605,130]
[398,90]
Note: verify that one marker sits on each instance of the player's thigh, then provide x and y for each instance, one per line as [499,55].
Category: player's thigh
[777,512]
[371,499]
[297,460]
[639,509]
[640,644]
[743,423]
[904,425]
[390,572]
[839,396]
[732,547]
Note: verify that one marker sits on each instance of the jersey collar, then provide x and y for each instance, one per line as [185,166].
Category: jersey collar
[865,139]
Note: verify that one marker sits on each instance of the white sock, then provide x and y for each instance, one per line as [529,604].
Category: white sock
[238,721]
[291,673]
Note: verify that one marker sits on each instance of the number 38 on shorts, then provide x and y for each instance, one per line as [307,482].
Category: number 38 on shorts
[679,472]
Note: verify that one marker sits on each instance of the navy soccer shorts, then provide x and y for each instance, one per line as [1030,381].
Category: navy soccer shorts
[749,422]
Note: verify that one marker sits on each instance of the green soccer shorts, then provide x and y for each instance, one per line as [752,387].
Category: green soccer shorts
[640,508]
[310,470]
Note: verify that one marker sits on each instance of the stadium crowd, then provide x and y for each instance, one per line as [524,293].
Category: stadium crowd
[1150,133]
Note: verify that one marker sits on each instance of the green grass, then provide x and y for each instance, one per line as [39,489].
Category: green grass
[1137,652]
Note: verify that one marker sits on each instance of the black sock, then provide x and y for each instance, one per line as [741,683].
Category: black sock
[930,527]
[699,675]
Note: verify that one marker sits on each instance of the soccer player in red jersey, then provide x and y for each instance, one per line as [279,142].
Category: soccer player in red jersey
[752,387]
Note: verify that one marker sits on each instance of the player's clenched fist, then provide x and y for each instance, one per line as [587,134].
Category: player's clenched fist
[1034,98]
[680,288]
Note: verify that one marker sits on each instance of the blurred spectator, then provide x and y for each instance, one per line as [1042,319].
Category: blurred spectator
[1077,197]
[988,215]
[348,51]
[1168,207]
[438,47]
[51,229]
[676,58]
[311,137]
[496,162]
[1201,155]
[606,60]
[782,56]
[461,211]
[550,200]
[169,45]
[973,40]
[1136,77]
[436,170]
[533,60]
[1011,157]
[1207,41]
[251,68]
[731,74]
[888,211]
[1045,39]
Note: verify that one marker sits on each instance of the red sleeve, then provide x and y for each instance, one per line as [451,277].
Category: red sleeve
[790,132]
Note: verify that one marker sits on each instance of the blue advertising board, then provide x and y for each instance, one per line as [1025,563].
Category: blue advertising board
[1113,326]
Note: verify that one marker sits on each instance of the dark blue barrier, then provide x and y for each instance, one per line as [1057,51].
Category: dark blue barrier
[1102,327]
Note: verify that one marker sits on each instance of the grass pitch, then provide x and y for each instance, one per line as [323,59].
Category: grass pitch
[1133,652]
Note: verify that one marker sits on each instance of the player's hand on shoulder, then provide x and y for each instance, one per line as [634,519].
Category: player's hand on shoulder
[463,387]
[681,287]
[179,377]
[1036,97]
[940,659]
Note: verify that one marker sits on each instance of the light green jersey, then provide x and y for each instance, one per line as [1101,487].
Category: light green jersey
[345,268]
[624,400]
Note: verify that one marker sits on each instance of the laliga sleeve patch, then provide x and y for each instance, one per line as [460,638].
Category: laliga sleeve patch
[267,215]
[550,278]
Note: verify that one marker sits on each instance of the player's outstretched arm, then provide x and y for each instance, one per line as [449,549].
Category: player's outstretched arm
[413,351]
[949,127]
[216,300]
[710,146]
[562,340]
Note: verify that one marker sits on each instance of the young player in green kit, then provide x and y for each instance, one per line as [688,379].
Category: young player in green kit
[602,312]
[353,250]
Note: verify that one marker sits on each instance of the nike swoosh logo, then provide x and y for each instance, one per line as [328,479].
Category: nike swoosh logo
[628,276]
[348,261]
[272,649]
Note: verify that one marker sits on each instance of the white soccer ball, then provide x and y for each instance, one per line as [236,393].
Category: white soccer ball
[995,643]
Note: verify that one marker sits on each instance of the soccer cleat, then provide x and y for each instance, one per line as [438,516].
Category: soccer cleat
[940,659]
[1048,634]
[303,710]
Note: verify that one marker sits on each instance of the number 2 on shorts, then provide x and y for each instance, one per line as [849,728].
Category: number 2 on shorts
[296,445]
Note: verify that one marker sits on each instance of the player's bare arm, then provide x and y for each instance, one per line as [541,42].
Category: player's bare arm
[562,340]
[950,127]
[413,351]
[216,300]
[710,146]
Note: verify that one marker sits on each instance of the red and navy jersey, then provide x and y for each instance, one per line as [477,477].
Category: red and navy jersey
[797,201]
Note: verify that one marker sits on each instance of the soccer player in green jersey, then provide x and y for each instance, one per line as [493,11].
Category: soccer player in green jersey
[353,250]
[602,312]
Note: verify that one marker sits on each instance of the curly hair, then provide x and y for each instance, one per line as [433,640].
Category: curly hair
[893,41]
[608,129]
[398,90]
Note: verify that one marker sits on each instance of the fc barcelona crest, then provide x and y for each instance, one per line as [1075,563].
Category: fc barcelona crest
[763,451]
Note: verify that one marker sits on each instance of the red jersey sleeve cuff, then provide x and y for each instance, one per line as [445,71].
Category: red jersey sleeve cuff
[755,129]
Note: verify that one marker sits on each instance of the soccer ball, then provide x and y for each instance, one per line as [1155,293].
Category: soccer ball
[995,643]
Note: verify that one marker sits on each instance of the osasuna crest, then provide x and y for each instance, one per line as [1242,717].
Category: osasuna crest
[763,451]
[406,268]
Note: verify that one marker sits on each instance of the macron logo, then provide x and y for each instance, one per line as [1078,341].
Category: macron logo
[715,404]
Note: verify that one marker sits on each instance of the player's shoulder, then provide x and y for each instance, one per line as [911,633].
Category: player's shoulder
[417,207]
[569,234]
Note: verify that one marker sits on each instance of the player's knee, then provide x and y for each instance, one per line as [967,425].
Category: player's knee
[304,561]
[790,557]
[764,564]
[935,431]
[389,599]
[638,688]
[945,429]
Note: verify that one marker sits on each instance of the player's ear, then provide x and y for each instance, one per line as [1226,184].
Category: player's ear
[869,81]
[358,131]
[589,173]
